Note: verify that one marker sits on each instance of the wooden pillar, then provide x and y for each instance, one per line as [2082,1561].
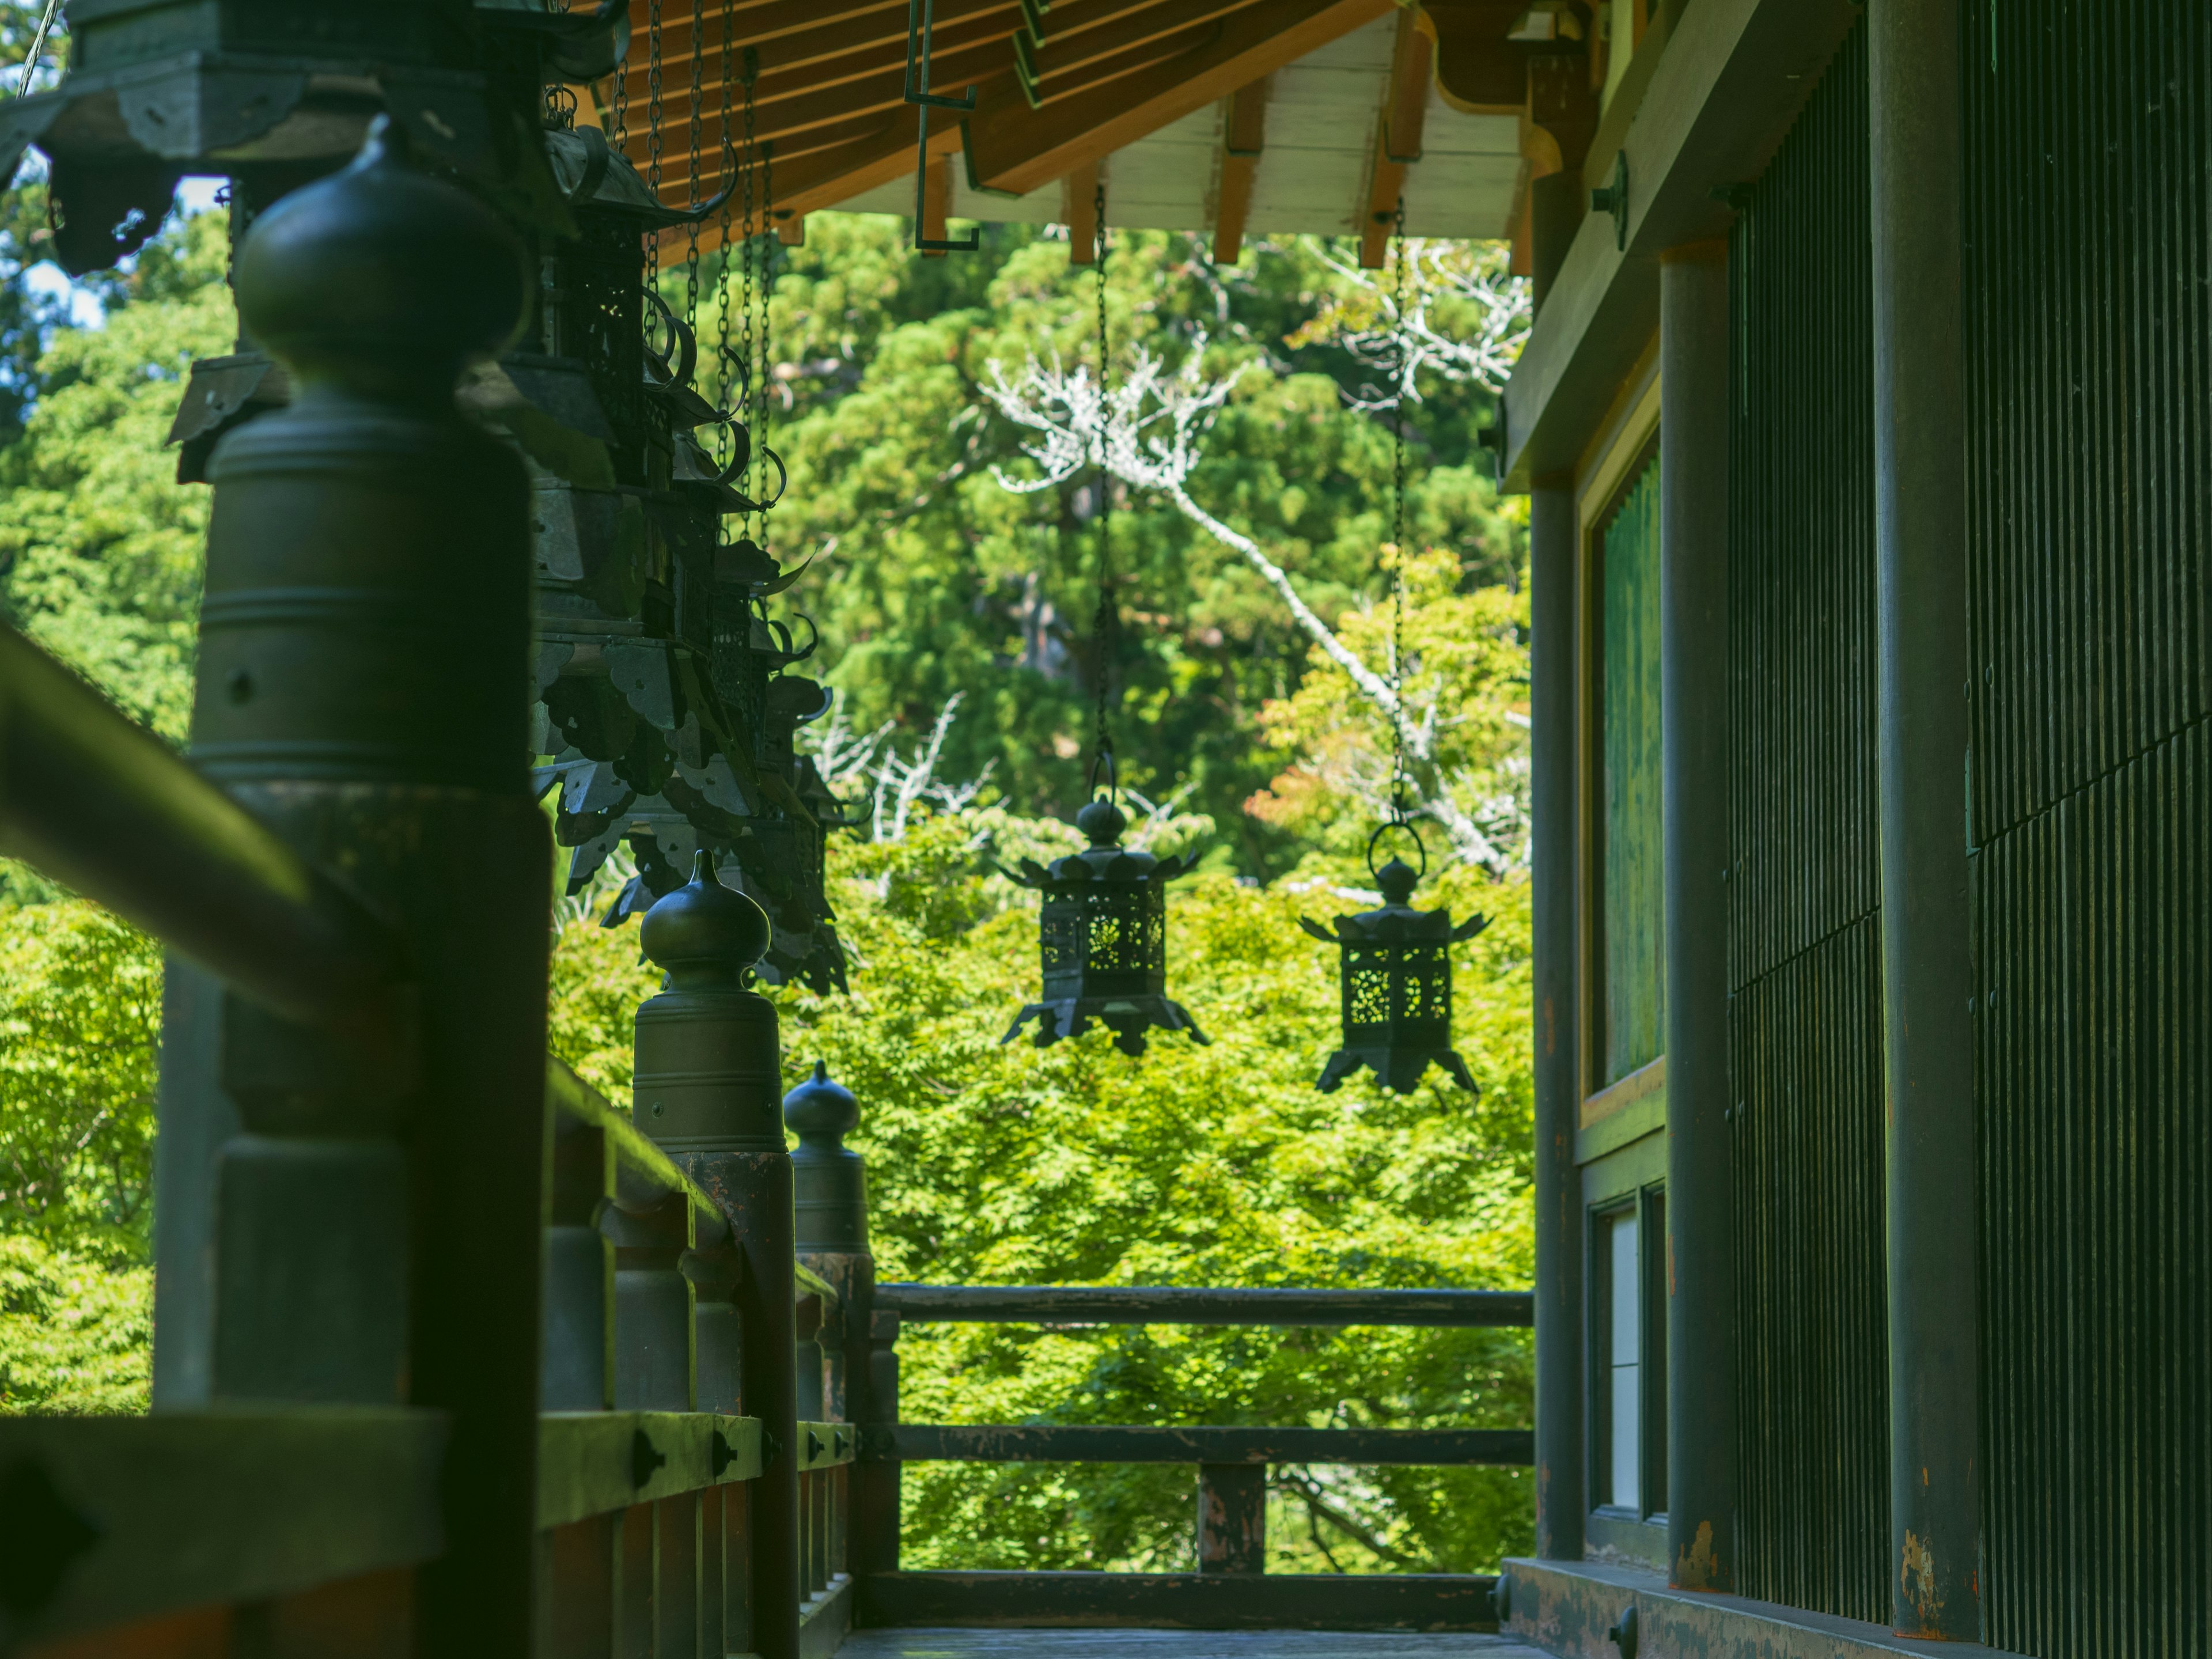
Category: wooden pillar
[1935,1293]
[707,1087]
[1079,196]
[1700,1237]
[1554,555]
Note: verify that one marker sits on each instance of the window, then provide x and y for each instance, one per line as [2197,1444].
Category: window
[1628,1372]
[1628,1025]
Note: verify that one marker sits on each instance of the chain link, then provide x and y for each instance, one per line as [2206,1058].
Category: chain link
[1398,518]
[691,197]
[745,286]
[724,440]
[768,243]
[652,138]
[1103,624]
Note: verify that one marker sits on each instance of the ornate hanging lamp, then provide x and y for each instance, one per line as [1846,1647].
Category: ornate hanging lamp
[1395,962]
[1103,937]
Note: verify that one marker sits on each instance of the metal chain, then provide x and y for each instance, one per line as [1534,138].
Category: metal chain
[1398,520]
[724,440]
[1103,624]
[691,196]
[745,293]
[768,251]
[652,138]
[622,100]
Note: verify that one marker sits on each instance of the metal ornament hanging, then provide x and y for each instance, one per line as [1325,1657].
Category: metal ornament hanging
[1396,974]
[1104,934]
[1395,963]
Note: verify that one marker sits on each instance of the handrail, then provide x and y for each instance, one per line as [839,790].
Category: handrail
[645,1176]
[104,807]
[1159,1304]
[805,1282]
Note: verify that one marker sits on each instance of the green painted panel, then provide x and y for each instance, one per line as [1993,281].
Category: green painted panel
[1633,831]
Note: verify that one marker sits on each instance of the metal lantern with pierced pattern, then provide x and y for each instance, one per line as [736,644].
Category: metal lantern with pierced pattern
[1396,978]
[1104,938]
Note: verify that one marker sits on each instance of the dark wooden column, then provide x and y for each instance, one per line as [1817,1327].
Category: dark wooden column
[1233,1517]
[707,1086]
[1934,1295]
[1554,555]
[1700,1262]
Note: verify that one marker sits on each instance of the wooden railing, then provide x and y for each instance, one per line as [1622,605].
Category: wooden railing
[1229,1586]
[717,1449]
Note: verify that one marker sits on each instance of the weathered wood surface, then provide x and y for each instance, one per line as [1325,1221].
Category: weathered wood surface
[1160,1304]
[1085,1443]
[1174,1644]
[1187,1600]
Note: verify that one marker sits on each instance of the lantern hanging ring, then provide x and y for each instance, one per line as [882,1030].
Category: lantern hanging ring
[1105,758]
[1401,821]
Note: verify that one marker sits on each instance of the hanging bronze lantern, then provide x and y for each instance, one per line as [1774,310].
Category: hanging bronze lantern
[1105,936]
[1395,969]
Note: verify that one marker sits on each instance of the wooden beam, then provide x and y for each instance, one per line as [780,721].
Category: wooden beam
[1399,129]
[936,203]
[1014,147]
[1079,199]
[824,178]
[1184,1305]
[1183,1600]
[1093,1442]
[1244,135]
[1479,70]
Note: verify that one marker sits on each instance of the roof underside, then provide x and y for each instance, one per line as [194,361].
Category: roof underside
[1220,117]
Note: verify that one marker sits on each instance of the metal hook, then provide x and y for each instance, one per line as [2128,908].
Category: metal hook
[1105,758]
[920,27]
[675,367]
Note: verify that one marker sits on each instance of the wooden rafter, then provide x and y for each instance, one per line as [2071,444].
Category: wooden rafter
[1244,135]
[1399,128]
[1480,70]
[1046,65]
[1014,147]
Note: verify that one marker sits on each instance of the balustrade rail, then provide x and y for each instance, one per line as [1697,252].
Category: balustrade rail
[1231,1587]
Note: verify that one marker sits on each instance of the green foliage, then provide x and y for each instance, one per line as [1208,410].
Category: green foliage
[80,1029]
[75,1336]
[100,548]
[933,580]
[1466,675]
[1217,1165]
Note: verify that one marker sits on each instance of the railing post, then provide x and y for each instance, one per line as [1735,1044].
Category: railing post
[329,1218]
[1233,1517]
[831,1203]
[579,1585]
[707,1084]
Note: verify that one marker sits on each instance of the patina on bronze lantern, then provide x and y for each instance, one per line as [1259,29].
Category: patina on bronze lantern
[1395,969]
[1105,936]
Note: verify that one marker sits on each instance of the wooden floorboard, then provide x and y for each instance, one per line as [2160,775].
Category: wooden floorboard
[1172,1645]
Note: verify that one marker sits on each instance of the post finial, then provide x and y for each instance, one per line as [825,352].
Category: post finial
[381,280]
[705,936]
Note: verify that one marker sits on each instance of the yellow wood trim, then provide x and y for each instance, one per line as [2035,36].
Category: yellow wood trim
[1621,440]
[1639,1085]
